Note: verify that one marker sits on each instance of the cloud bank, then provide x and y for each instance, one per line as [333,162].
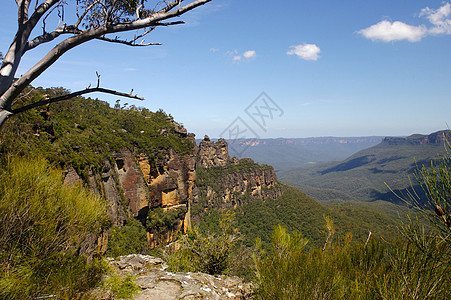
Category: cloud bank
[387,31]
[305,51]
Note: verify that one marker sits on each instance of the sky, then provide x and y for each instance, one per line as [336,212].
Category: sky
[267,69]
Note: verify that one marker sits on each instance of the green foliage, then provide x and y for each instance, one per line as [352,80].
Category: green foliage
[205,252]
[43,223]
[160,220]
[128,239]
[122,288]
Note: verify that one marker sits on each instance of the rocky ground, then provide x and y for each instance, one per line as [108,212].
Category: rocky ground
[155,282]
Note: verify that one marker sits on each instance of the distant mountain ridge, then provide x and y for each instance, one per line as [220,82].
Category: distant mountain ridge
[288,153]
[435,138]
[308,141]
[364,176]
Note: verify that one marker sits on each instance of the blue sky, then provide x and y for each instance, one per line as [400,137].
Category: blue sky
[332,68]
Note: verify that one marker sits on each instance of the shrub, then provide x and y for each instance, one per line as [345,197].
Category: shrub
[128,239]
[42,225]
[122,288]
[205,252]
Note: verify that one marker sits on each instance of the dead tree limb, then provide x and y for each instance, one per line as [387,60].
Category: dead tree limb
[73,95]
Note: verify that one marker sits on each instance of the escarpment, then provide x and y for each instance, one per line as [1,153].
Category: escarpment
[160,190]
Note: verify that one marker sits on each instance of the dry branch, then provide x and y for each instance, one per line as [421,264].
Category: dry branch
[72,95]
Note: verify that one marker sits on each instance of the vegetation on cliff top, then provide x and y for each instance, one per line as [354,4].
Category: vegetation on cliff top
[84,132]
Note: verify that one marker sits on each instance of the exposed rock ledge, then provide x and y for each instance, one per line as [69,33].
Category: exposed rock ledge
[156,282]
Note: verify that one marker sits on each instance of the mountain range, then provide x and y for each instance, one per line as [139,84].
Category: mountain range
[370,174]
[288,153]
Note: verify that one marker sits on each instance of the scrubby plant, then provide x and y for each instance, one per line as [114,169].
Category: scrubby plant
[128,239]
[343,270]
[160,220]
[207,252]
[43,224]
[121,287]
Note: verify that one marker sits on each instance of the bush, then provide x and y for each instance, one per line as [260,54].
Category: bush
[205,252]
[128,239]
[42,225]
[122,288]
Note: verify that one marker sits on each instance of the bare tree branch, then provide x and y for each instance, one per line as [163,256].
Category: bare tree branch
[15,52]
[72,95]
[48,37]
[128,43]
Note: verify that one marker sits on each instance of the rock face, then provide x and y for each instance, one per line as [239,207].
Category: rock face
[133,186]
[232,189]
[131,180]
[213,154]
[228,182]
[156,282]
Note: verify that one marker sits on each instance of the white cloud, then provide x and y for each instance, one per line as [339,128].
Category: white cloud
[250,54]
[214,50]
[396,31]
[438,18]
[305,51]
[387,31]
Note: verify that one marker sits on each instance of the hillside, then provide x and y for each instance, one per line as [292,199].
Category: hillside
[365,175]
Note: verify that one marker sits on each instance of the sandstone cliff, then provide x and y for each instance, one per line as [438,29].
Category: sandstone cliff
[225,182]
[159,190]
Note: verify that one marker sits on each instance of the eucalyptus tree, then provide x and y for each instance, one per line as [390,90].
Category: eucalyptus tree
[77,22]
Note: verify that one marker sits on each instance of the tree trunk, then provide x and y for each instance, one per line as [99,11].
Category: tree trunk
[4,114]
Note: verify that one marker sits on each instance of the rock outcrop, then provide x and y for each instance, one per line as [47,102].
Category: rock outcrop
[232,189]
[226,182]
[213,154]
[155,282]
